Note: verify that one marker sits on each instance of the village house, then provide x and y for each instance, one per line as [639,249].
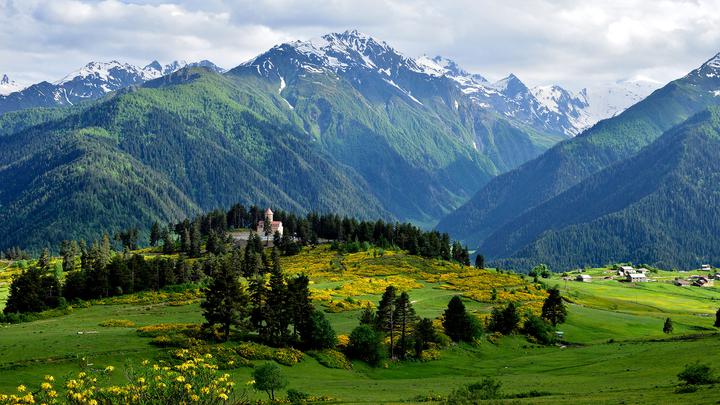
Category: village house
[585,278]
[276,226]
[703,282]
[636,277]
[625,270]
[705,267]
[681,282]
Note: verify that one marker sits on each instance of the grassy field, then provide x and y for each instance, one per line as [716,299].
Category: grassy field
[616,351]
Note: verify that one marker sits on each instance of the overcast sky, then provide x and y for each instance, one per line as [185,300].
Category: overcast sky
[572,43]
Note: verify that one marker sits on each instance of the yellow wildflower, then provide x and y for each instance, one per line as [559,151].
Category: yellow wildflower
[21,388]
[45,386]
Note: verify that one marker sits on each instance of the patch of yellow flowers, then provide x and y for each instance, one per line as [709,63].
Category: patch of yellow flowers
[195,380]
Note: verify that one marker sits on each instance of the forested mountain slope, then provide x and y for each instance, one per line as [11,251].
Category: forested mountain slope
[660,207]
[510,195]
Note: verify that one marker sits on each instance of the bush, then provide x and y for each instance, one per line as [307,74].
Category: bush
[696,374]
[366,345]
[488,388]
[331,358]
[538,329]
[297,397]
[117,323]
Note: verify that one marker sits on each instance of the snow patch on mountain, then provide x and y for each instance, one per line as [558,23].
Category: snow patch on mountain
[8,86]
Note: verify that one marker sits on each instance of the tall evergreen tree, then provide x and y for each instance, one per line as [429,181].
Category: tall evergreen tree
[480,261]
[717,319]
[226,300]
[155,234]
[278,314]
[299,303]
[69,251]
[553,309]
[405,319]
[424,334]
[384,317]
[458,324]
[504,320]
[195,240]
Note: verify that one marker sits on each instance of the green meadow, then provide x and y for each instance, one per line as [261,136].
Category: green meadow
[614,350]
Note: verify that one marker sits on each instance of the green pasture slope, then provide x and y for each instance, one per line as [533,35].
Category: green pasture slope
[616,351]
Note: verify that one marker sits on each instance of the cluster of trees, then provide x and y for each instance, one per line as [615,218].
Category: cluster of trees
[276,307]
[101,274]
[187,235]
[15,253]
[395,321]
[506,320]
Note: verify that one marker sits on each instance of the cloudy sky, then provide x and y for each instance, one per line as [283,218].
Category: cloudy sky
[569,42]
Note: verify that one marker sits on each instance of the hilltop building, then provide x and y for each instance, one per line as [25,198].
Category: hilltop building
[277,226]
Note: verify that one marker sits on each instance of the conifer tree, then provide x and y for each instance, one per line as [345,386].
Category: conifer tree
[278,315]
[226,300]
[195,240]
[69,251]
[384,317]
[405,319]
[424,334]
[480,261]
[717,319]
[458,324]
[553,309]
[155,234]
[668,326]
[299,303]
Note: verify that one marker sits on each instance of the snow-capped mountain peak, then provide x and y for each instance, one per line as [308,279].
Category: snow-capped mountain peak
[8,86]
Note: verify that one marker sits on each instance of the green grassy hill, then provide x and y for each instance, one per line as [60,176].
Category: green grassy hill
[615,350]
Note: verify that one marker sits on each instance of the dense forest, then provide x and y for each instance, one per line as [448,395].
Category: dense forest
[659,208]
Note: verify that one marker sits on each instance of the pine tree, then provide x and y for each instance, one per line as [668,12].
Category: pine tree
[319,333]
[553,309]
[424,335]
[405,319]
[168,244]
[367,317]
[504,320]
[258,300]
[195,240]
[717,319]
[43,261]
[267,229]
[299,303]
[69,251]
[278,316]
[155,234]
[226,300]
[458,324]
[668,326]
[384,317]
[480,261]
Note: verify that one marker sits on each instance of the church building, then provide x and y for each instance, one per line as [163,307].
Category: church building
[276,225]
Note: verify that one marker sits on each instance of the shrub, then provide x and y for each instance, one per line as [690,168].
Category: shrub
[297,397]
[117,323]
[538,329]
[331,358]
[255,351]
[188,329]
[288,356]
[696,374]
[488,388]
[366,345]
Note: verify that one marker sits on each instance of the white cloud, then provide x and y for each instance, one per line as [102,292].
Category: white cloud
[543,41]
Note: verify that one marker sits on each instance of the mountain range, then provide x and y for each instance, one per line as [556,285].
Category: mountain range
[347,124]
[598,197]
[342,124]
[92,81]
